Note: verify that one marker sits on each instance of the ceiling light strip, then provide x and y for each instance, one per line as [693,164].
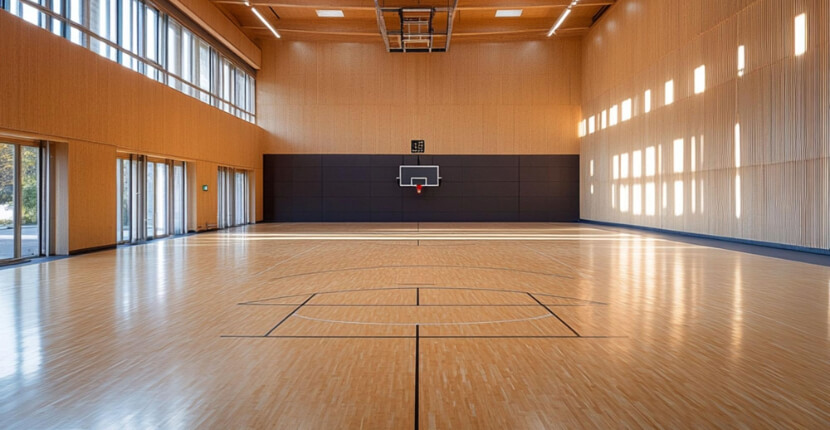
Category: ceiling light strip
[261,18]
[562,18]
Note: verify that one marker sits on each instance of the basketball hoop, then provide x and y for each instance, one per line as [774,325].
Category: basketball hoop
[419,188]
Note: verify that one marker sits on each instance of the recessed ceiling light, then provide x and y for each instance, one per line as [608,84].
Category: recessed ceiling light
[330,13]
[508,13]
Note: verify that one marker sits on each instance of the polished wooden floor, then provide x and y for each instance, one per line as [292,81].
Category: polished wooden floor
[415,326]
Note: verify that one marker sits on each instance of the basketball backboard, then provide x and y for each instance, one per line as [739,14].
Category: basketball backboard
[425,176]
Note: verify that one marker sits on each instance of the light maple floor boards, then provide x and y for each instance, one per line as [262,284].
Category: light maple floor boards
[314,326]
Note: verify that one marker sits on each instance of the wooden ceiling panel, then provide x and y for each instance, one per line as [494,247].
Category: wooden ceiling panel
[474,20]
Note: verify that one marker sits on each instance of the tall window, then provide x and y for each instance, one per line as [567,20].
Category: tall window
[203,69]
[103,21]
[152,43]
[146,40]
[187,61]
[174,54]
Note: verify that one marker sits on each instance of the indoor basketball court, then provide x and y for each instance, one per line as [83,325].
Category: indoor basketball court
[472,214]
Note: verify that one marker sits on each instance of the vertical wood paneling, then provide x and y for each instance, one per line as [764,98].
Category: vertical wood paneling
[782,103]
[496,98]
[92,214]
[206,174]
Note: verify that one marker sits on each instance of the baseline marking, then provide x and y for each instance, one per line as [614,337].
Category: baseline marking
[417,372]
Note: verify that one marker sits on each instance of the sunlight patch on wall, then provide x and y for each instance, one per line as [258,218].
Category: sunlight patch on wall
[678,156]
[700,80]
[741,60]
[678,198]
[650,199]
[650,161]
[738,196]
[623,198]
[669,99]
[637,199]
[801,34]
[738,145]
[626,110]
[624,166]
[637,164]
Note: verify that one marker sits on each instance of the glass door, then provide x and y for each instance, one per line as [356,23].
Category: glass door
[234,203]
[29,201]
[179,199]
[124,176]
[20,200]
[152,198]
[8,209]
[162,200]
[241,197]
[222,197]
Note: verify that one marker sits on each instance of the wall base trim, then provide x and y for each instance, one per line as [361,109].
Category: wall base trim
[92,249]
[774,245]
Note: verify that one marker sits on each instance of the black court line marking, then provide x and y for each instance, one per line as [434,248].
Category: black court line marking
[554,314]
[289,315]
[242,336]
[417,372]
[426,287]
[417,297]
[573,298]
[523,337]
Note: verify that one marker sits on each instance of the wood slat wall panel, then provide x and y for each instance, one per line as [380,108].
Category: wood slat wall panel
[781,102]
[496,98]
[91,229]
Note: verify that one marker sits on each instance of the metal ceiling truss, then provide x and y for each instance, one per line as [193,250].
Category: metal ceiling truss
[415,28]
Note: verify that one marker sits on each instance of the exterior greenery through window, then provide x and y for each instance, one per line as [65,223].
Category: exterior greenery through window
[141,37]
